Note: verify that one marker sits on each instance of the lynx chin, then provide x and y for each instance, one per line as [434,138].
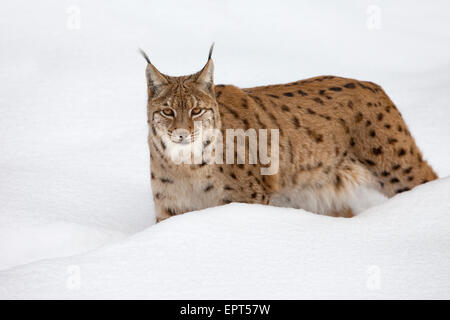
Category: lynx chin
[334,138]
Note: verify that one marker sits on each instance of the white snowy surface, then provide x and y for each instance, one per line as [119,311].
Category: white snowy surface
[74,164]
[396,250]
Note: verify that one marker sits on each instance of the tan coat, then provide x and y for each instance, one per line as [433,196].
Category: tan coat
[335,135]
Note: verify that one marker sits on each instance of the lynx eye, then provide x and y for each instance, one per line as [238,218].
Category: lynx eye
[168,112]
[196,111]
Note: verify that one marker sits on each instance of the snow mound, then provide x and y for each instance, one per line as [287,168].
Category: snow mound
[398,249]
[28,240]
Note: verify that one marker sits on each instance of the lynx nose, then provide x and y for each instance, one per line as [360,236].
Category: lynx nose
[181,135]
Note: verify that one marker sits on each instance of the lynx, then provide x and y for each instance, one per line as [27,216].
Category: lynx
[336,135]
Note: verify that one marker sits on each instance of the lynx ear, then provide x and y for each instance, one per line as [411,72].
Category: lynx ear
[205,77]
[155,79]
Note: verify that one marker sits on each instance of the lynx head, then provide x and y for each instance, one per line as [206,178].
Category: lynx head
[180,107]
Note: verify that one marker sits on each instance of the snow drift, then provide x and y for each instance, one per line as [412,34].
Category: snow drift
[396,250]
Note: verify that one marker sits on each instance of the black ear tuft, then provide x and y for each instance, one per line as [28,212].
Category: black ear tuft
[145,55]
[205,77]
[211,51]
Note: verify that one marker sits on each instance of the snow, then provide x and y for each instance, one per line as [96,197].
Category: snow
[396,250]
[76,211]
[25,240]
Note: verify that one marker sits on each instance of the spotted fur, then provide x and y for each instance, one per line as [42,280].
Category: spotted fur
[336,135]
